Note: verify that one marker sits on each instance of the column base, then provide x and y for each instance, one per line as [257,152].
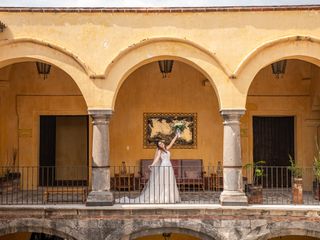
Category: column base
[100,198]
[233,198]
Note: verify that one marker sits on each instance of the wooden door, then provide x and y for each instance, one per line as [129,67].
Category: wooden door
[273,142]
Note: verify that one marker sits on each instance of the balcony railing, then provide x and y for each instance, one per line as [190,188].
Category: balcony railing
[279,186]
[195,185]
[43,185]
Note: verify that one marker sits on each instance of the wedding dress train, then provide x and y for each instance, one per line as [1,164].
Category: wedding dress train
[161,186]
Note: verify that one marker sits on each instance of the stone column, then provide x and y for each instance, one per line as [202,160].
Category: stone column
[232,194]
[100,194]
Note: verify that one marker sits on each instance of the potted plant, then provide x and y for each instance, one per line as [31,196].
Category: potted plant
[254,190]
[297,190]
[316,172]
[10,180]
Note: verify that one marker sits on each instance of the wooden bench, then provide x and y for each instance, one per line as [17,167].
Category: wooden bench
[188,172]
[65,190]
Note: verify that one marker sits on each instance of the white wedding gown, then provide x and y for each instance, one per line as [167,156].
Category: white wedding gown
[161,186]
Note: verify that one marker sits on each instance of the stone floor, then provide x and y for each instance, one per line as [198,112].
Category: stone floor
[270,197]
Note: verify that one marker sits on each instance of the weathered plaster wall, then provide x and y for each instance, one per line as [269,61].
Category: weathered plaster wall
[183,92]
[97,39]
[71,148]
[146,91]
[286,96]
[27,96]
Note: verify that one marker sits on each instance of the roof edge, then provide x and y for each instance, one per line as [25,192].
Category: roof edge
[156,9]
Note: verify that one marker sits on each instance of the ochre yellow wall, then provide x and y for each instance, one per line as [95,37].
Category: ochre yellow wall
[174,236]
[227,47]
[24,97]
[286,96]
[16,236]
[71,148]
[99,41]
[146,91]
[315,89]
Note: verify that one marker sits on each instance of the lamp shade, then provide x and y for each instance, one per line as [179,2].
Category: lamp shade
[165,67]
[43,69]
[279,68]
[166,236]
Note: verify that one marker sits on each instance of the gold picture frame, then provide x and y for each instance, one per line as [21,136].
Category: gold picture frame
[160,126]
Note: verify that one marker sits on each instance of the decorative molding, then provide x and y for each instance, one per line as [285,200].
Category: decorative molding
[230,111]
[100,116]
[149,41]
[24,132]
[293,38]
[99,111]
[4,84]
[57,48]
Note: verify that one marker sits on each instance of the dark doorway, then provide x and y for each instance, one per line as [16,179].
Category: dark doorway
[273,142]
[43,236]
[63,150]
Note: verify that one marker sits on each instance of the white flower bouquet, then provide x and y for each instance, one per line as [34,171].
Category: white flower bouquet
[178,127]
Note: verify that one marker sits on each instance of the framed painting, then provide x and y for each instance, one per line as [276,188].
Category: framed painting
[163,126]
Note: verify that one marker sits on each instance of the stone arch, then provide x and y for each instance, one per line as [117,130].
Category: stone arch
[290,232]
[11,229]
[161,48]
[304,48]
[25,49]
[136,229]
[282,229]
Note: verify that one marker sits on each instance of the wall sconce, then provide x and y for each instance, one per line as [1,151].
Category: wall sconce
[43,69]
[279,68]
[165,67]
[206,83]
[166,236]
[2,26]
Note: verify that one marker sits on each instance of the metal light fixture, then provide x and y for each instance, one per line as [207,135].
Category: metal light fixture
[166,236]
[2,26]
[43,69]
[279,68]
[165,67]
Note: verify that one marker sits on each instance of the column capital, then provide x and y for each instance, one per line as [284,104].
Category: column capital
[100,112]
[232,116]
[232,112]
[100,116]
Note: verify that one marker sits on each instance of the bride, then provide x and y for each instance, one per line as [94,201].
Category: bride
[162,186]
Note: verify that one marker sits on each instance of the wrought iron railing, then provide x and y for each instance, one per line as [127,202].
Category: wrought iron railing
[279,186]
[194,185]
[43,185]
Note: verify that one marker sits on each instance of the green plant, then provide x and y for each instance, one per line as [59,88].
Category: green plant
[258,171]
[296,171]
[180,126]
[11,162]
[316,162]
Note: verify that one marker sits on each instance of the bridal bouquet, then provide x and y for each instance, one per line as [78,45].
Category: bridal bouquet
[178,127]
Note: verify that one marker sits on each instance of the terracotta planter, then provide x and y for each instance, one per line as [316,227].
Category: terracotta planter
[254,194]
[10,183]
[297,191]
